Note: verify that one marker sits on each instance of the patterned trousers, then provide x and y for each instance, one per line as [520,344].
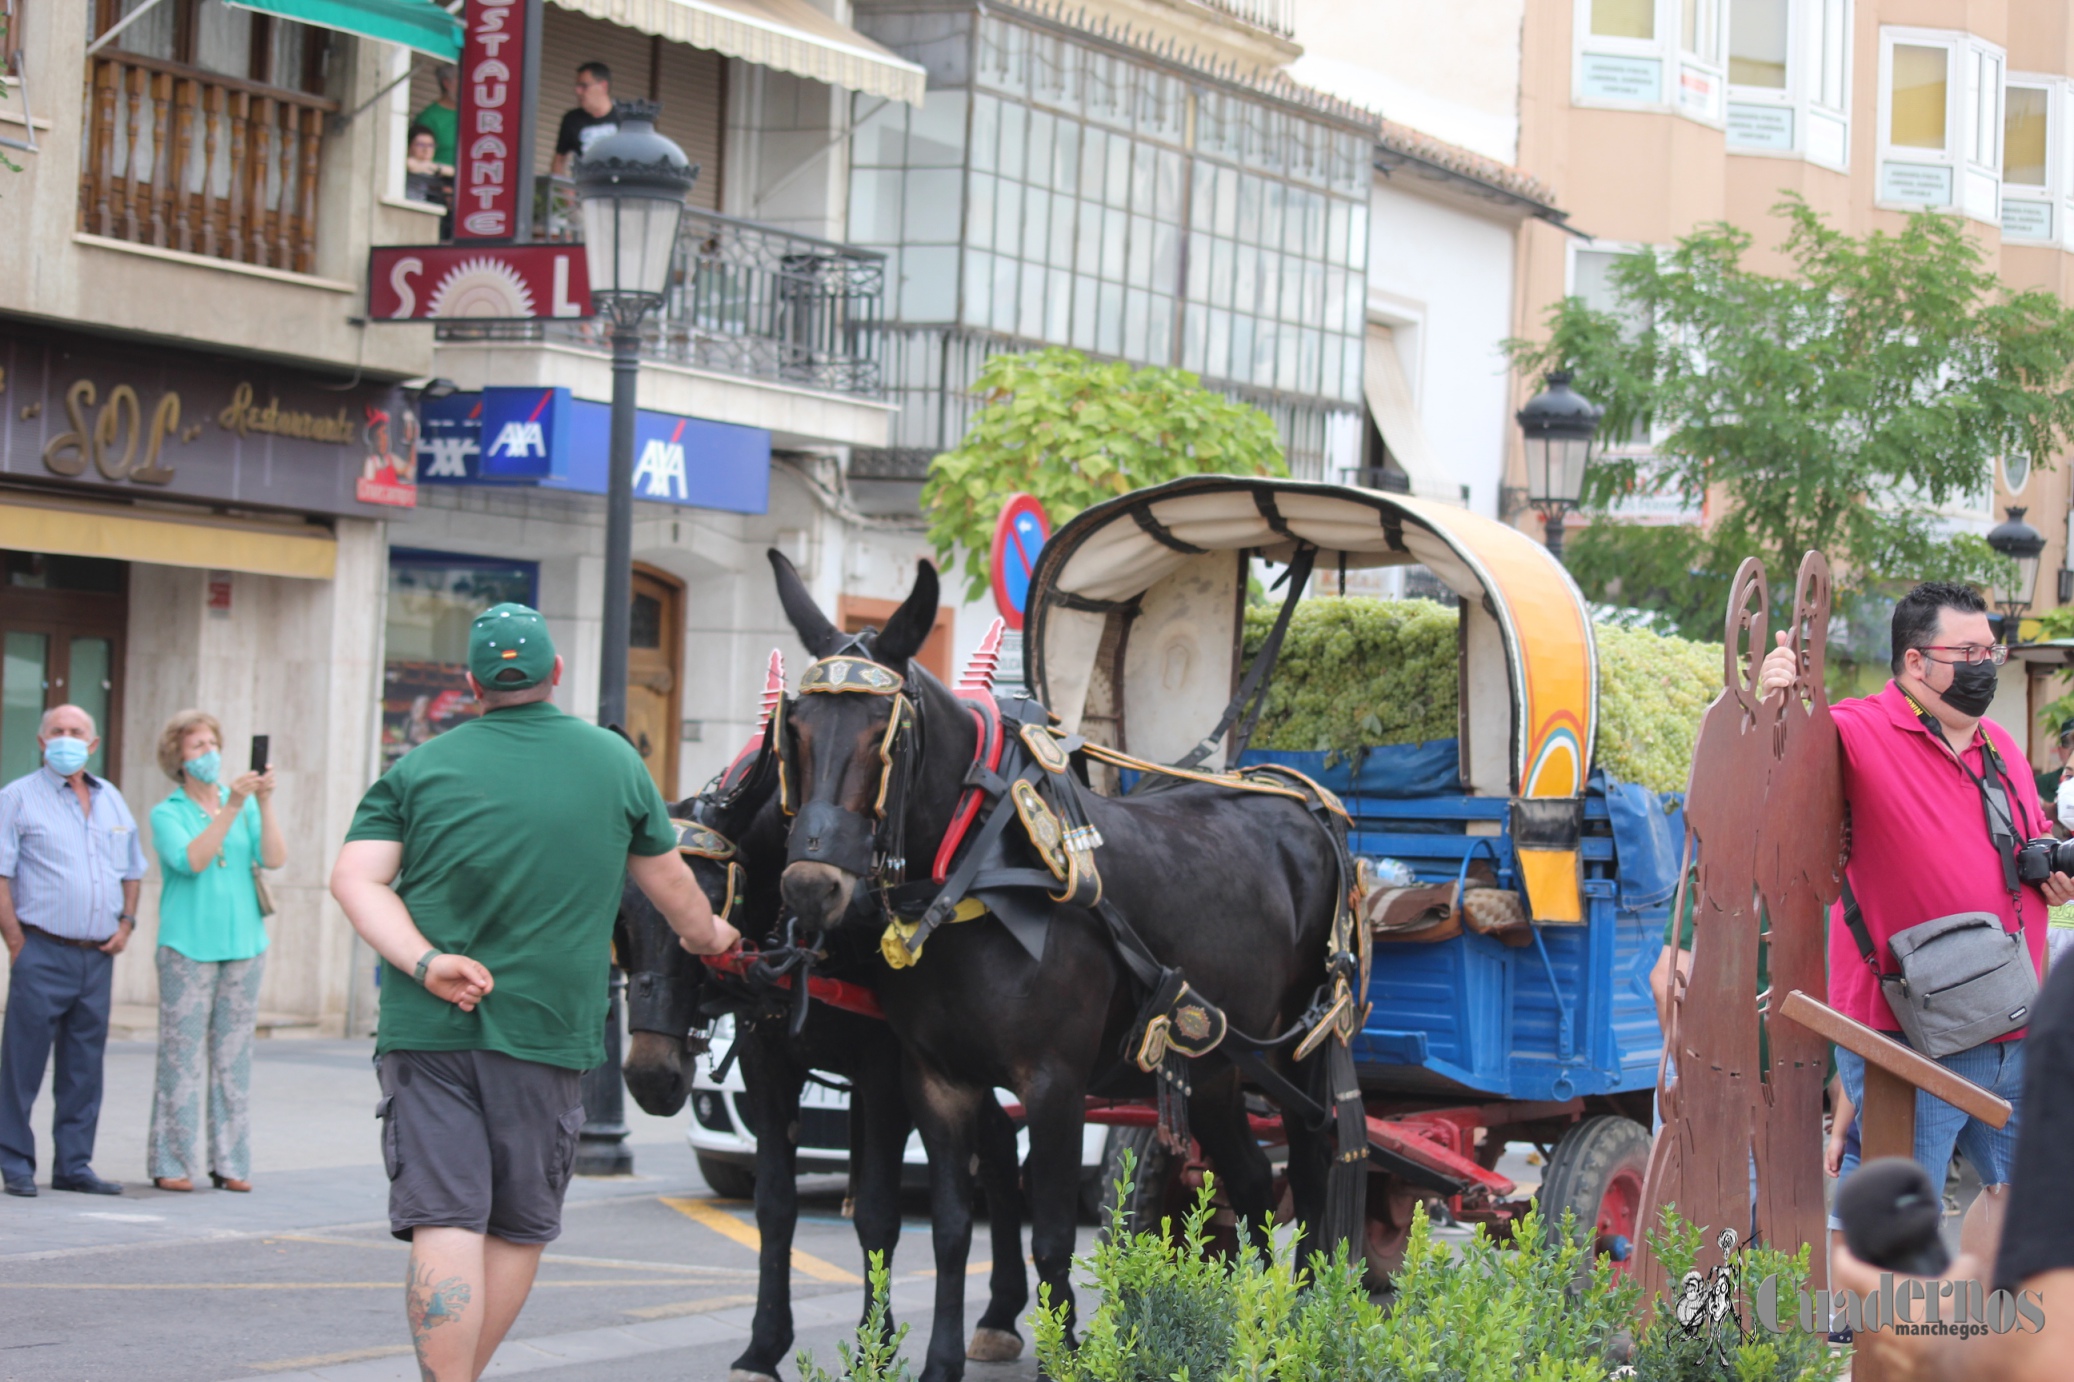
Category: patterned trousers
[206,1013]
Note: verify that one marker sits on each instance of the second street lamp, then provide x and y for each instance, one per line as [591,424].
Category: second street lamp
[1558,426]
[632,185]
[2024,545]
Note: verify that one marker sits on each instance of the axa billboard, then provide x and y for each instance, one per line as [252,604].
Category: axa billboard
[545,437]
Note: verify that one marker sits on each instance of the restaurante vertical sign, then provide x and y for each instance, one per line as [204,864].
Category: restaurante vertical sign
[500,65]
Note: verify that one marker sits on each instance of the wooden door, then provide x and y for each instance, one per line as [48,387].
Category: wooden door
[856,613]
[62,621]
[655,663]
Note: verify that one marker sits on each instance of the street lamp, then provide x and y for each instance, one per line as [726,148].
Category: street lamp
[2024,545]
[632,185]
[1558,425]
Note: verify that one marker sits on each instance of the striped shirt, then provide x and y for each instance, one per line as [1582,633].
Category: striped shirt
[66,870]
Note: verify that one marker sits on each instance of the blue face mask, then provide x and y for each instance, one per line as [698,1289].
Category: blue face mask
[65,756]
[204,768]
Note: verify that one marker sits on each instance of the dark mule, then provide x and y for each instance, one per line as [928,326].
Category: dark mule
[775,1067]
[1237,890]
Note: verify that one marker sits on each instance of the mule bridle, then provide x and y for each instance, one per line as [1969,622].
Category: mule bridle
[869,845]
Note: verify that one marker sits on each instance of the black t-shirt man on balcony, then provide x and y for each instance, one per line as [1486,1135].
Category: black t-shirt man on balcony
[590,120]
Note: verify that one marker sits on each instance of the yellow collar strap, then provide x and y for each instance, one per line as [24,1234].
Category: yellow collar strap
[847,673]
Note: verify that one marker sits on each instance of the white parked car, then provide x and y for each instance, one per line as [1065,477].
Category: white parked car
[719,1131]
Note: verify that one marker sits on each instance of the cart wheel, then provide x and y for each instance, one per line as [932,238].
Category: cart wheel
[1154,1192]
[726,1179]
[1596,1173]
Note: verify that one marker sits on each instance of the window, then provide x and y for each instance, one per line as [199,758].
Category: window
[2033,184]
[1591,278]
[1623,18]
[1940,122]
[1787,89]
[1662,54]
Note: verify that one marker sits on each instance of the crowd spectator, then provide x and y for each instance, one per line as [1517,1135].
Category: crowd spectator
[508,838]
[443,116]
[70,866]
[590,120]
[212,839]
[1935,811]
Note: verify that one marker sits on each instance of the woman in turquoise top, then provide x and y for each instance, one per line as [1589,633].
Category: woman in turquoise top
[211,952]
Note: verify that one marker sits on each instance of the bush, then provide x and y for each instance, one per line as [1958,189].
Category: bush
[875,1355]
[1357,673]
[1743,1350]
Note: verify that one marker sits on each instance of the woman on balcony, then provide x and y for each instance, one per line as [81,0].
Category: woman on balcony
[212,840]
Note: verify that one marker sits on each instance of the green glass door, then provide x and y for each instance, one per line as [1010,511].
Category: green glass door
[24,681]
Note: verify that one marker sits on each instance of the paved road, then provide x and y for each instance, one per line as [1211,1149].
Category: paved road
[652,1279]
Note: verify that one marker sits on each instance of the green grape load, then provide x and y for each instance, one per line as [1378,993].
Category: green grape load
[1360,673]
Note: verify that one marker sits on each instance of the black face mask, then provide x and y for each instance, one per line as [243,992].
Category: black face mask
[1973,688]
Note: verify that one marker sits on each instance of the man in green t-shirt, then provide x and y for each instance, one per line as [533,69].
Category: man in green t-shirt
[443,116]
[485,868]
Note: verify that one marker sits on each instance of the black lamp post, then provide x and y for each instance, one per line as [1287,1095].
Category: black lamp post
[2024,545]
[632,186]
[1558,425]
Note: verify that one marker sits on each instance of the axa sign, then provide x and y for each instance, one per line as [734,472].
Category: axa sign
[659,469]
[523,431]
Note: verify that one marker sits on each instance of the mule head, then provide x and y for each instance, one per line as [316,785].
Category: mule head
[838,741]
[662,989]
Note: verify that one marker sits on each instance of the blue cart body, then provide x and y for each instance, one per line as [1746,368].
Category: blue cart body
[1571,1014]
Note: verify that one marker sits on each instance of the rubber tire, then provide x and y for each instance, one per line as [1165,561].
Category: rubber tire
[726,1179]
[1586,1163]
[1146,1198]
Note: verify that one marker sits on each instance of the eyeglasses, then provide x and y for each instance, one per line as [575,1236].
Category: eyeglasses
[1972,654]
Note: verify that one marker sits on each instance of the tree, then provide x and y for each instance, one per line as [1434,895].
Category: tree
[1074,432]
[1844,407]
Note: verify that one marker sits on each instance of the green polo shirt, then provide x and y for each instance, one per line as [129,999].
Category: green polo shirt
[516,829]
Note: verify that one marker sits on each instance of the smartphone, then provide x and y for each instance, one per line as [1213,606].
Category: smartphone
[259,752]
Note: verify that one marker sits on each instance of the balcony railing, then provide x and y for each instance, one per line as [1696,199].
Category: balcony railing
[1278,17]
[746,299]
[192,160]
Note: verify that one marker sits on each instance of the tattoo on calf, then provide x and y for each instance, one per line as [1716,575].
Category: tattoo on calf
[428,1305]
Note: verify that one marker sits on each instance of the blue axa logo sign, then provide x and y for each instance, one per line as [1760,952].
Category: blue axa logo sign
[519,441]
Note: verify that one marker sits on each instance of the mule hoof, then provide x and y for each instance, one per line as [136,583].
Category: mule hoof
[993,1346]
[744,1375]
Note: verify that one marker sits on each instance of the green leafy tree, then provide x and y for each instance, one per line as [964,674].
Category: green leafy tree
[1840,407]
[1073,432]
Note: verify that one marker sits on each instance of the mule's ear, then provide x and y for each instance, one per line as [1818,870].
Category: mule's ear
[909,627]
[812,626]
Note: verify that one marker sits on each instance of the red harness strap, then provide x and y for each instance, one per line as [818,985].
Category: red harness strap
[836,993]
[987,712]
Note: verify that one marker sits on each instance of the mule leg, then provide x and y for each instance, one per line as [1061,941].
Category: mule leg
[878,1112]
[1217,1116]
[948,1115]
[1056,1100]
[995,1340]
[1310,1157]
[774,1085]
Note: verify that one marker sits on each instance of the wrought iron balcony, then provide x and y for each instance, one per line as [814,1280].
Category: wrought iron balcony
[746,299]
[1277,17]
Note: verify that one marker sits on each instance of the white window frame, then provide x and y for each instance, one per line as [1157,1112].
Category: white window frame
[1974,187]
[1689,84]
[1815,130]
[2024,203]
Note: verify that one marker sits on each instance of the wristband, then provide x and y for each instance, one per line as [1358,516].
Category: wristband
[125,916]
[424,961]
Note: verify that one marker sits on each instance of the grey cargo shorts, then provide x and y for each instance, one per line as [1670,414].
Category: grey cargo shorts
[477,1140]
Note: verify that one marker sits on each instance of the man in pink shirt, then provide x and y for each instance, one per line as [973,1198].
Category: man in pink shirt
[1920,845]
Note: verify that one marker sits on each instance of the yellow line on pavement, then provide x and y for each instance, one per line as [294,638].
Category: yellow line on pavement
[688,1307]
[547,1259]
[712,1216]
[325,1360]
[971,1269]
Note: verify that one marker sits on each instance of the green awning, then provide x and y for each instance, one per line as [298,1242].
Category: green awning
[418,24]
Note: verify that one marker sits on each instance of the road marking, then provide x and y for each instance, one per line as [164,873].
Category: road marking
[688,1307]
[122,1218]
[712,1216]
[547,1259]
[971,1269]
[325,1360]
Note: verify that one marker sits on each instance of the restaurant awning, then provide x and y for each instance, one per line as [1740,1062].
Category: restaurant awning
[418,24]
[162,539]
[789,35]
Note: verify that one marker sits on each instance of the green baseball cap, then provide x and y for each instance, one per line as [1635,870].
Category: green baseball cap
[509,648]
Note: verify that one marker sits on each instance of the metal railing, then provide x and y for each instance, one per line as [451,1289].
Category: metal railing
[1276,16]
[196,161]
[745,298]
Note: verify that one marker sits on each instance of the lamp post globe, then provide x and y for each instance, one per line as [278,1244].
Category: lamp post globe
[2024,545]
[1558,425]
[631,185]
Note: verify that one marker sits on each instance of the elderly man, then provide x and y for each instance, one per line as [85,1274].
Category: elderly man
[70,863]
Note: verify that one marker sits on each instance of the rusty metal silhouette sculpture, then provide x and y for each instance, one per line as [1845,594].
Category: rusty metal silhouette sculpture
[1741,1097]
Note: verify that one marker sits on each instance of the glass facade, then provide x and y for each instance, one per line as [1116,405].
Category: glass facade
[1055,191]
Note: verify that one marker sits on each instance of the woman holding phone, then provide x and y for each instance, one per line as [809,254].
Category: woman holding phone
[212,838]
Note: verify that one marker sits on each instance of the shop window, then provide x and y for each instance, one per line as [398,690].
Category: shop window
[1787,91]
[432,600]
[1940,122]
[1651,54]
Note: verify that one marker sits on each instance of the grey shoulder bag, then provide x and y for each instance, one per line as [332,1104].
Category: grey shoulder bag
[1962,979]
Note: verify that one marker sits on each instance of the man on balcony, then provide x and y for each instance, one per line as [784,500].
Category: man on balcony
[590,121]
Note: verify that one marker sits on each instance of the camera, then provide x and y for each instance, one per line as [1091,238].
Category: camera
[2040,859]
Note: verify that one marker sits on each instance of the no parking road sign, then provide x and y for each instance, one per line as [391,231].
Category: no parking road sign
[1019,535]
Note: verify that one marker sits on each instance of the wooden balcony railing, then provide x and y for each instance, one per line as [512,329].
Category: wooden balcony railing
[195,161]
